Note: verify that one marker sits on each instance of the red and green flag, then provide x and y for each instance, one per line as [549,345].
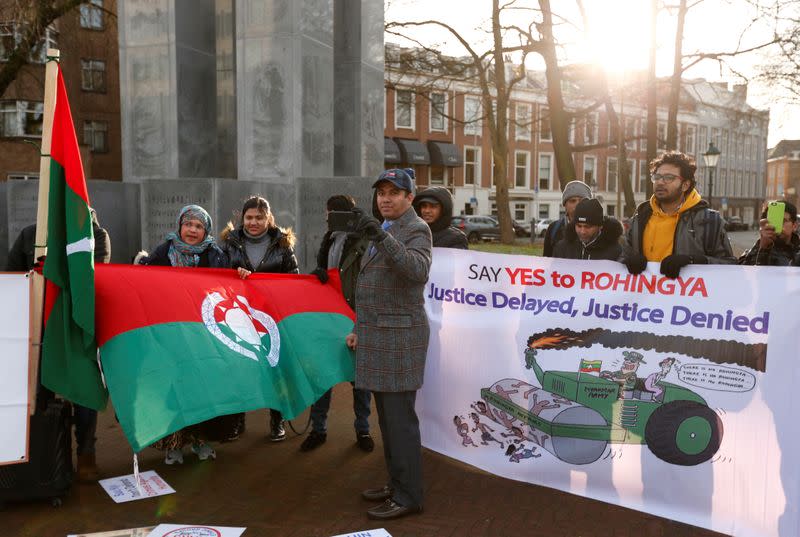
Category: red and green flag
[69,356]
[183,345]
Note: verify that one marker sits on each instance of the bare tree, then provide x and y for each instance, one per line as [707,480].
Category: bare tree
[496,76]
[28,21]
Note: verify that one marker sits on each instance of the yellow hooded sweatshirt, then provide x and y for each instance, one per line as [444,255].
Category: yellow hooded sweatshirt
[659,234]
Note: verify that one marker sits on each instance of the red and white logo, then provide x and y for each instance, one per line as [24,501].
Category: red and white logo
[242,328]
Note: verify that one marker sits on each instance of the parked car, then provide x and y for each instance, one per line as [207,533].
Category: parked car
[734,223]
[520,229]
[477,228]
[541,226]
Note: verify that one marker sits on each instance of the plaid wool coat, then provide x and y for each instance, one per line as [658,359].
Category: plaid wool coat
[391,323]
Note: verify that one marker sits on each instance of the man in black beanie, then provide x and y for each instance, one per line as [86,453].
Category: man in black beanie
[591,235]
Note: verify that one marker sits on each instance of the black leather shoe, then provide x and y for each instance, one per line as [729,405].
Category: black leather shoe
[313,441]
[377,495]
[365,442]
[390,509]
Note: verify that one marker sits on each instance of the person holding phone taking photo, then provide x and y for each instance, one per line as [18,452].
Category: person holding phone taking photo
[777,244]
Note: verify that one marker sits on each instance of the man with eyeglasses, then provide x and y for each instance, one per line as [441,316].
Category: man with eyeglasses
[775,247]
[676,227]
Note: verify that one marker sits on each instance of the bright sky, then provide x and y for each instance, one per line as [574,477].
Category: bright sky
[619,37]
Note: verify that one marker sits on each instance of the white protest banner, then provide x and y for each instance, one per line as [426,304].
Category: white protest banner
[188,530]
[14,367]
[123,489]
[367,533]
[673,397]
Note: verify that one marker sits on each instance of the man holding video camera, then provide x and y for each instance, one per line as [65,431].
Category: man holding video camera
[391,336]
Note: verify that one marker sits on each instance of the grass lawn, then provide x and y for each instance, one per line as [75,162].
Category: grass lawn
[519,248]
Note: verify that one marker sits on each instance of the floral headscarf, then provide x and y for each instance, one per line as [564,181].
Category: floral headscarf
[187,255]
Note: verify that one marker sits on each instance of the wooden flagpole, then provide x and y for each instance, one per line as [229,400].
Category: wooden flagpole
[40,248]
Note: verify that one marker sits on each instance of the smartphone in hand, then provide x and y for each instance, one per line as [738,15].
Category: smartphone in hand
[775,211]
[342,221]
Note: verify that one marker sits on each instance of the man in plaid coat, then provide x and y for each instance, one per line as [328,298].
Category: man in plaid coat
[391,336]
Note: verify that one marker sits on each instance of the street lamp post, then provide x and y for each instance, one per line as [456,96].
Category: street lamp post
[711,158]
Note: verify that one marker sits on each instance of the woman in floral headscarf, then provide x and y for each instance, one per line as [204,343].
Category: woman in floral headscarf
[191,246]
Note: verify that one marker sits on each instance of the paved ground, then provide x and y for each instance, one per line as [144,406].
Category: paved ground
[274,490]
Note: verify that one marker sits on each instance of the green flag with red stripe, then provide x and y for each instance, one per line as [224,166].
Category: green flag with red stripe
[183,345]
[69,356]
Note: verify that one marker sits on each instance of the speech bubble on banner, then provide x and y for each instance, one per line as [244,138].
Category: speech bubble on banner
[717,377]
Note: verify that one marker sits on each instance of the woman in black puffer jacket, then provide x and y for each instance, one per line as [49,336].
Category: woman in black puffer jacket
[257,244]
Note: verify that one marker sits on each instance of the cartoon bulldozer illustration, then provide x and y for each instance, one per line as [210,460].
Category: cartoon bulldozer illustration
[588,412]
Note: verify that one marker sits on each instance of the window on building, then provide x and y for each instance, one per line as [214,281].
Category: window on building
[93,75]
[21,118]
[521,168]
[92,15]
[472,115]
[545,134]
[662,137]
[611,175]
[644,175]
[689,147]
[630,173]
[702,139]
[472,165]
[494,209]
[590,129]
[8,39]
[38,53]
[522,129]
[589,167]
[438,175]
[571,128]
[520,212]
[723,148]
[544,211]
[545,170]
[630,133]
[438,112]
[404,109]
[23,176]
[611,210]
[95,135]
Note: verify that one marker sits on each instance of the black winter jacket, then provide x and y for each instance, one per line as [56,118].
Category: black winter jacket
[212,257]
[607,245]
[554,234]
[349,264]
[444,235]
[780,255]
[279,258]
[20,257]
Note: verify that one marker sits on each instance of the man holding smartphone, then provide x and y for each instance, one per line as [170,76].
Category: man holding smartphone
[775,246]
[391,337]
[342,249]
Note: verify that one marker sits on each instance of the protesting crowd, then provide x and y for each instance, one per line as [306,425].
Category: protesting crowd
[384,255]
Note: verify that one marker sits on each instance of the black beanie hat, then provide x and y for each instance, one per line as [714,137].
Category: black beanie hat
[589,211]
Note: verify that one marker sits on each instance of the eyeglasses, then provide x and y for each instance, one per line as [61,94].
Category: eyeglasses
[664,177]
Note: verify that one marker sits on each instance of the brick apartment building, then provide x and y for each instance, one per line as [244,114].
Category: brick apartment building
[783,171]
[87,39]
[443,135]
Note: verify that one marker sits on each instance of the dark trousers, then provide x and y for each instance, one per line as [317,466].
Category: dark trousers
[361,399]
[402,448]
[85,428]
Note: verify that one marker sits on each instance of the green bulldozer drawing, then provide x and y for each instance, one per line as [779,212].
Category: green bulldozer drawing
[677,426]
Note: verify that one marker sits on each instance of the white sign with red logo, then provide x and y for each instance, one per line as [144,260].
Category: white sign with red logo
[123,489]
[189,530]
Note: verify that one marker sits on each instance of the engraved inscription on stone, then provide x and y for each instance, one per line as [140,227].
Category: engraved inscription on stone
[22,204]
[163,200]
